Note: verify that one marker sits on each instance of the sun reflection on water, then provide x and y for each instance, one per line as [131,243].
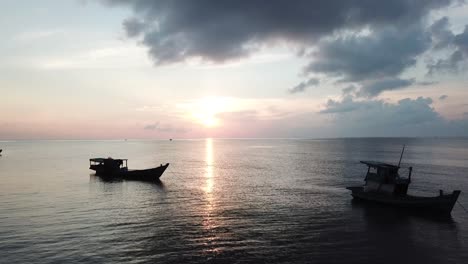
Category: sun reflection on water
[210,221]
[209,166]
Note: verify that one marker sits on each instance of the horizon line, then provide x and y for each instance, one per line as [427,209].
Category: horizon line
[240,138]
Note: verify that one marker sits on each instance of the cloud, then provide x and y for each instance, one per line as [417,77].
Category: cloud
[461,40]
[445,38]
[351,89]
[133,27]
[355,41]
[165,128]
[427,83]
[441,34]
[151,126]
[375,88]
[304,85]
[218,31]
[407,117]
[343,106]
[406,109]
[382,53]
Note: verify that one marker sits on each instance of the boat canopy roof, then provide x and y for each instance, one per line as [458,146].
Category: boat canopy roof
[103,159]
[378,164]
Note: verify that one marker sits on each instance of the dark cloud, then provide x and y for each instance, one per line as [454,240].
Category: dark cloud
[365,42]
[175,30]
[404,112]
[372,88]
[441,34]
[407,117]
[375,113]
[351,89]
[304,85]
[461,40]
[383,53]
[375,88]
[347,104]
[427,83]
[133,27]
[457,42]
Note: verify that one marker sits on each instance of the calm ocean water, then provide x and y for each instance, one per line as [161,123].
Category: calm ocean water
[225,201]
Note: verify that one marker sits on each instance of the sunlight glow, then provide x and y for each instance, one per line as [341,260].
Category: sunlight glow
[205,110]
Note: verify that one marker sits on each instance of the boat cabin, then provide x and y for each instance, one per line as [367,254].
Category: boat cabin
[384,177]
[108,166]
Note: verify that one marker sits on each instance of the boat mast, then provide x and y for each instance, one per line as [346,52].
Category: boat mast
[401,156]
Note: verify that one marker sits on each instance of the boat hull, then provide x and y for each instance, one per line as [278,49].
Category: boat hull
[152,174]
[440,205]
[145,175]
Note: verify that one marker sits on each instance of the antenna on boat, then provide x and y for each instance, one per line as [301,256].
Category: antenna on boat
[401,156]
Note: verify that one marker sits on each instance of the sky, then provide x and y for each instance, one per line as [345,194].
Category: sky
[158,69]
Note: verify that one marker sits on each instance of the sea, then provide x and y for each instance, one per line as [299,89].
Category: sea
[227,201]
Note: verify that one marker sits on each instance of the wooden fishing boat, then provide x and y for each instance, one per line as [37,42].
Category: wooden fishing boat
[442,204]
[118,168]
[384,185]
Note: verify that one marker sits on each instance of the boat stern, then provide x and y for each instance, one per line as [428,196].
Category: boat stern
[355,189]
[454,198]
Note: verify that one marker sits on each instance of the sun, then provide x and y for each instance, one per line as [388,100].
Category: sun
[206,110]
[210,121]
[206,118]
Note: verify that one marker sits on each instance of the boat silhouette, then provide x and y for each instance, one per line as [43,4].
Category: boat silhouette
[117,168]
[384,185]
